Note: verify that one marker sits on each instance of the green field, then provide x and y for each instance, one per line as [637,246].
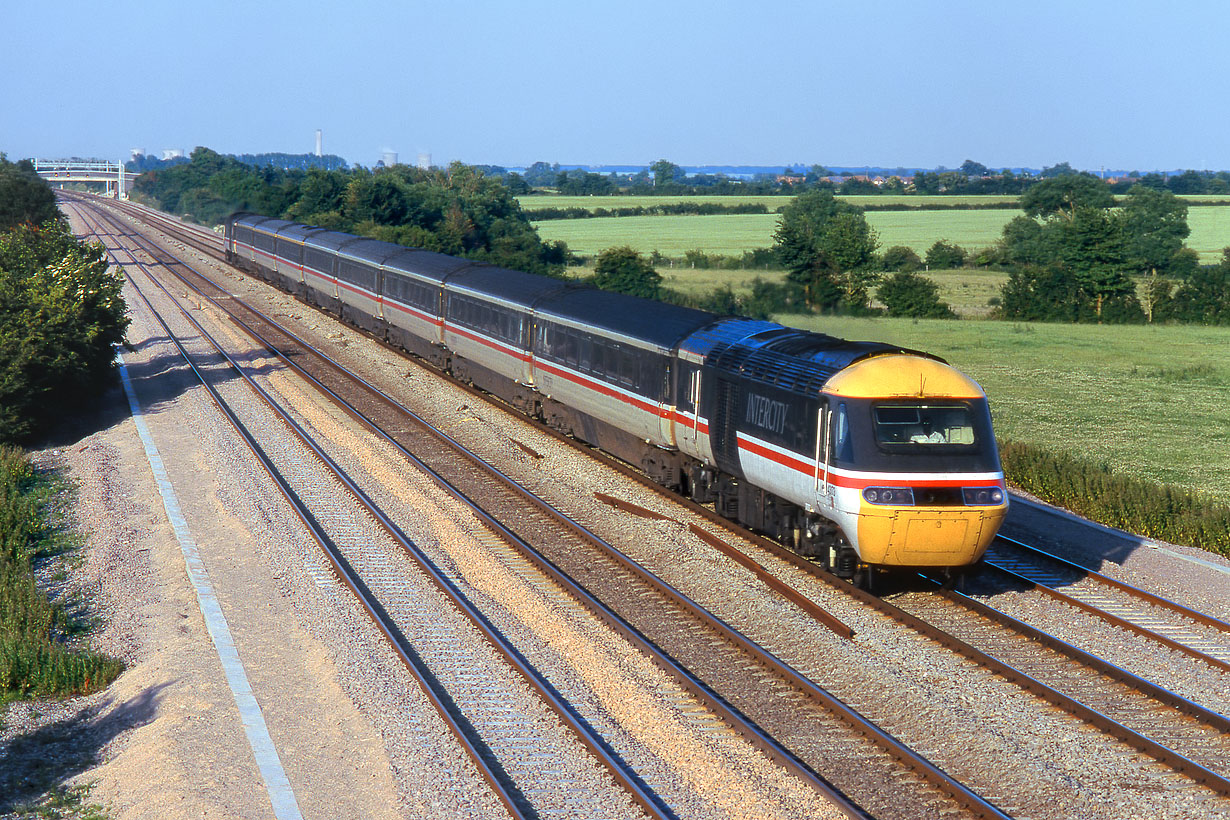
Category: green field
[1210,231]
[533,202]
[1148,401]
[732,234]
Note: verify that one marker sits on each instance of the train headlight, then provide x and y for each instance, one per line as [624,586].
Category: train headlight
[982,496]
[894,496]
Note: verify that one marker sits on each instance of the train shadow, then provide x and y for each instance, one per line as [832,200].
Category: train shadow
[1082,542]
[159,380]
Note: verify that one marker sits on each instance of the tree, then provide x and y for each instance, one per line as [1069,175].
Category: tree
[1062,195]
[60,314]
[1063,169]
[321,192]
[828,247]
[945,254]
[623,270]
[1093,249]
[665,172]
[1204,296]
[973,169]
[1155,225]
[1188,182]
[908,294]
[24,196]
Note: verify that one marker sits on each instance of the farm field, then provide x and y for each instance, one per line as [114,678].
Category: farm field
[732,234]
[1149,401]
[532,202]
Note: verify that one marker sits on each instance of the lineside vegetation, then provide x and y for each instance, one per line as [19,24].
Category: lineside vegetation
[36,656]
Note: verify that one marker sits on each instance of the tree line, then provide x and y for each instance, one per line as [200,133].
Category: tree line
[457,210]
[1074,255]
[665,178]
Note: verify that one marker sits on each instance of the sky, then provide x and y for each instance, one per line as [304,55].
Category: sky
[1100,84]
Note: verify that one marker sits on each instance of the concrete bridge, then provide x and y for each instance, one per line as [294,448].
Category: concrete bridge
[60,171]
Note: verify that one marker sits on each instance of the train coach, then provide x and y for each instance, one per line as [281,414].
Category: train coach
[861,455]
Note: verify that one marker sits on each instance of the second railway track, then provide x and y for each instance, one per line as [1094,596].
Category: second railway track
[1019,802]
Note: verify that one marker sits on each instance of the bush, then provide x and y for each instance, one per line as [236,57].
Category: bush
[61,312]
[34,660]
[901,258]
[1094,491]
[623,270]
[908,294]
[945,254]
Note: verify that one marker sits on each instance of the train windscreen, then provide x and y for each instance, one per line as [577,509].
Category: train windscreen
[926,424]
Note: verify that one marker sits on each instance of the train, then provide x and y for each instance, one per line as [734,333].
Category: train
[862,456]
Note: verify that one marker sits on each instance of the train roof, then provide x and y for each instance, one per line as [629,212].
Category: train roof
[721,334]
[799,360]
[372,251]
[502,284]
[269,224]
[331,240]
[247,218]
[298,232]
[657,324]
[426,264]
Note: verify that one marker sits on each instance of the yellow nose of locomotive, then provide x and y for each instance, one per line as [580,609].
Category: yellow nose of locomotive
[926,536]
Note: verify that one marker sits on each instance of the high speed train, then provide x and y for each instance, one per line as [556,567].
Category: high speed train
[860,455]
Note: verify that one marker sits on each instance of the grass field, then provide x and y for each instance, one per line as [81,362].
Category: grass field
[1148,401]
[532,202]
[732,234]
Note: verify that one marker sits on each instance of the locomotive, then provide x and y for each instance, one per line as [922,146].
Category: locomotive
[860,455]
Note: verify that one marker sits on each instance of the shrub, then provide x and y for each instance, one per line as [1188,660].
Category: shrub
[1094,491]
[623,270]
[34,661]
[908,294]
[901,258]
[61,312]
[945,254]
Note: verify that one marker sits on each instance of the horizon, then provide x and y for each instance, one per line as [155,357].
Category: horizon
[619,168]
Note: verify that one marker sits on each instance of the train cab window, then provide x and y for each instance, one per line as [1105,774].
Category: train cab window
[928,425]
[843,449]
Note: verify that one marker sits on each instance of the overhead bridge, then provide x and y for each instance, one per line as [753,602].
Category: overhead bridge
[111,174]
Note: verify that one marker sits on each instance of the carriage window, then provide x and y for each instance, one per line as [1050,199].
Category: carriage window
[586,347]
[924,424]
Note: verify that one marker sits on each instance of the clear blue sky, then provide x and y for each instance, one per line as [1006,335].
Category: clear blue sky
[1126,85]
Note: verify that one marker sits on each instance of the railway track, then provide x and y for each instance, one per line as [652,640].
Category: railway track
[421,611]
[701,650]
[1200,636]
[1084,712]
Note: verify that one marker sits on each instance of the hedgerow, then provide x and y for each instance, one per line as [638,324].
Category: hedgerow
[35,660]
[1092,490]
